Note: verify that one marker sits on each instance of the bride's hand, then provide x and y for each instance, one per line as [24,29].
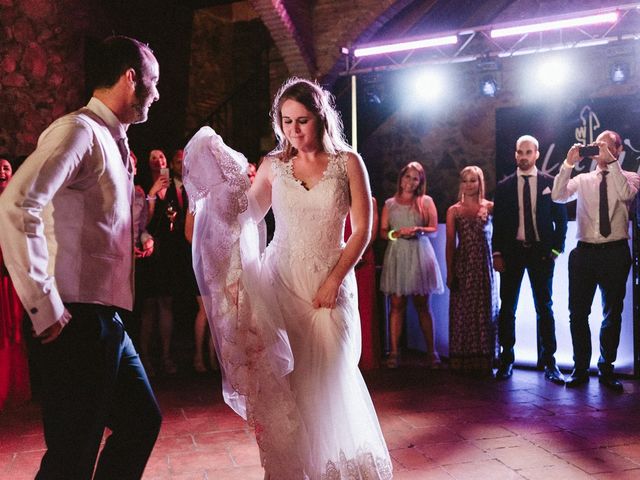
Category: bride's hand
[327,294]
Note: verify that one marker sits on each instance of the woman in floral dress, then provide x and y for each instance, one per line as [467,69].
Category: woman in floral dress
[473,304]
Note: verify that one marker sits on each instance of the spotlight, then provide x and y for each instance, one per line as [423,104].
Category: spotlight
[488,86]
[553,74]
[430,86]
[619,73]
[372,97]
[373,89]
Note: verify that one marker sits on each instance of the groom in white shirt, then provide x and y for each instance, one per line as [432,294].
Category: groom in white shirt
[68,244]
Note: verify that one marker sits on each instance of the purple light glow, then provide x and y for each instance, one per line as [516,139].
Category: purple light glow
[610,17]
[403,46]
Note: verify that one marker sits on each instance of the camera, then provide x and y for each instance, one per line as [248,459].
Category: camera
[589,151]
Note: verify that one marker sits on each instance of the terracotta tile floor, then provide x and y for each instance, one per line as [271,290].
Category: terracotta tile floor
[438,426]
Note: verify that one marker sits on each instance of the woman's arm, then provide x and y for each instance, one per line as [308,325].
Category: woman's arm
[432,226]
[451,244]
[384,223]
[159,188]
[260,191]
[188,226]
[376,221]
[361,220]
[489,205]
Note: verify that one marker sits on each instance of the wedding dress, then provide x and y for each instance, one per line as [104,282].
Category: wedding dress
[291,370]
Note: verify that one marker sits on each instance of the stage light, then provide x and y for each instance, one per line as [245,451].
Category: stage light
[404,46]
[610,17]
[547,77]
[552,74]
[488,86]
[619,72]
[430,86]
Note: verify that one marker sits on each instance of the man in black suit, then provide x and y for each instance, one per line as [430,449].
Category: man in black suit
[528,234]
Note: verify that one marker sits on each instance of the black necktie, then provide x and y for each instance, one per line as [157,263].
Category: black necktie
[529,231]
[605,225]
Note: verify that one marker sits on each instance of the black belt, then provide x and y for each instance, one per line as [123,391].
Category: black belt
[523,244]
[602,246]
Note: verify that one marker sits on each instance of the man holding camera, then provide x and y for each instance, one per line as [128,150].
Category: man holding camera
[528,234]
[602,257]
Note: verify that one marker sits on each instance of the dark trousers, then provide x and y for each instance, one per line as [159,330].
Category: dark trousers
[92,378]
[606,267]
[539,267]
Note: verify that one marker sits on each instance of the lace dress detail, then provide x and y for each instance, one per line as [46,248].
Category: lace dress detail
[289,368]
[309,222]
[342,428]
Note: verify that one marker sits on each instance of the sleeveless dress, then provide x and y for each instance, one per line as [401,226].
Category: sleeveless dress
[410,266]
[473,301]
[290,369]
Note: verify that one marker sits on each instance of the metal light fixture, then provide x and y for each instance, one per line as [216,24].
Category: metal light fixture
[610,17]
[404,46]
[488,86]
[619,72]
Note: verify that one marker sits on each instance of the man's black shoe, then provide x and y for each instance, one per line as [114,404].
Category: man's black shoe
[611,383]
[553,375]
[577,378]
[504,372]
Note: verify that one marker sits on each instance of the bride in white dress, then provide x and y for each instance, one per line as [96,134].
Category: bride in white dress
[285,320]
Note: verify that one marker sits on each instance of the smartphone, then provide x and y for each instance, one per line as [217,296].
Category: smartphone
[164,172]
[589,151]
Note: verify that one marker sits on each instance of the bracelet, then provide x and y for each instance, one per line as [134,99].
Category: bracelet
[149,197]
[391,237]
[556,252]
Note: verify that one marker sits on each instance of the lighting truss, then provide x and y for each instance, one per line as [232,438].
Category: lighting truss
[404,46]
[582,29]
[610,17]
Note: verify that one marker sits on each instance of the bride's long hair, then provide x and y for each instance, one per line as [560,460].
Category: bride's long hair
[321,104]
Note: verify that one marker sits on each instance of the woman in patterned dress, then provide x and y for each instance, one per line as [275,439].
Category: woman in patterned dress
[473,304]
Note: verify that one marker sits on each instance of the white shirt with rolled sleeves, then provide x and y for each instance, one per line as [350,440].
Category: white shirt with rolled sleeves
[66,218]
[622,187]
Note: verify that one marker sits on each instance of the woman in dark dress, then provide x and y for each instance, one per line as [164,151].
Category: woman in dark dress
[473,304]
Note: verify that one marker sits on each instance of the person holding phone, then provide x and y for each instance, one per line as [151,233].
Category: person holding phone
[602,257]
[156,271]
[528,234]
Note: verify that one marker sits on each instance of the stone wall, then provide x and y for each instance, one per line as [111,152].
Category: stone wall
[42,49]
[41,67]
[229,81]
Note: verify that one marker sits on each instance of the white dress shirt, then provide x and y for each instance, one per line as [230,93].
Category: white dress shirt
[622,187]
[533,186]
[66,218]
